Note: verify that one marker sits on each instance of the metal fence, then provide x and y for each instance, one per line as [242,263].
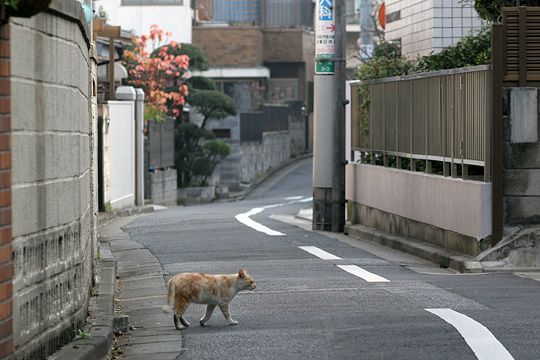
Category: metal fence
[161,144]
[287,13]
[442,116]
[272,118]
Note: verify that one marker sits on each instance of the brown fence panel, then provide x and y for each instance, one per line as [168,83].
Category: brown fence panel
[439,116]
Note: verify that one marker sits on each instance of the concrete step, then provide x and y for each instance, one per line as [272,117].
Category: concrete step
[437,255]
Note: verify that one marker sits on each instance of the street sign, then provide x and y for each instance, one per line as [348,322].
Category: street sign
[325,36]
[324,67]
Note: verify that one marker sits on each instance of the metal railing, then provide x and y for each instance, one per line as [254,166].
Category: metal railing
[443,116]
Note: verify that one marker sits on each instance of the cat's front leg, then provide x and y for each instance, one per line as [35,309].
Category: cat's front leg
[225,310]
[209,310]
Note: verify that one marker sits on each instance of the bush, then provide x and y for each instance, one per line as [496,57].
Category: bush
[469,51]
[197,154]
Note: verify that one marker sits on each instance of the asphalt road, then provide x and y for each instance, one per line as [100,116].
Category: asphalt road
[306,307]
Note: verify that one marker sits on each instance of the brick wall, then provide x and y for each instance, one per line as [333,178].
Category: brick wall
[6,258]
[230,46]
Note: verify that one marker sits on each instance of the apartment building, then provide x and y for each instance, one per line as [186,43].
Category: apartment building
[425,26]
[137,16]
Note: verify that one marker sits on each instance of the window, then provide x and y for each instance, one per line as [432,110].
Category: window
[151,2]
[395,16]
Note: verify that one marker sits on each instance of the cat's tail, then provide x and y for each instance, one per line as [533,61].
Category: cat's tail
[167,309]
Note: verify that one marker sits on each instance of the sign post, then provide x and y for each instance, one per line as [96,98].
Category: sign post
[323,116]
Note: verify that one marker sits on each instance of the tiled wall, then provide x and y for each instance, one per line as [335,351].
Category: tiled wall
[429,25]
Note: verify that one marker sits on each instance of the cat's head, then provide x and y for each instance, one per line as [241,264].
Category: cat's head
[245,280]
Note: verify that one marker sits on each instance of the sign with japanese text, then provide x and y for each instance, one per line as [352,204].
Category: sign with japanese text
[325,30]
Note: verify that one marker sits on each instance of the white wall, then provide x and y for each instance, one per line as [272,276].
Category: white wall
[457,205]
[122,154]
[173,18]
[430,25]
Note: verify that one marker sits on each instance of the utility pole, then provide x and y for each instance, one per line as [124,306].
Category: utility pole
[329,117]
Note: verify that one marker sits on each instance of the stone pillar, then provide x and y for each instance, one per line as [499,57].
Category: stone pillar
[139,148]
[521,157]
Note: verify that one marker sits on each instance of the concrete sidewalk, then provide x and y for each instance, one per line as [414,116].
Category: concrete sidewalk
[141,294]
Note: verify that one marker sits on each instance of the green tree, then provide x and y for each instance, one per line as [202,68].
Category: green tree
[197,154]
[212,104]
[491,9]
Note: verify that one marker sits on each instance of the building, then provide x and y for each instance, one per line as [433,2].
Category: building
[425,26]
[174,16]
[268,13]
[259,51]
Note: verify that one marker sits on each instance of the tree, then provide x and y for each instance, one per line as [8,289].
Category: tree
[197,154]
[490,10]
[197,60]
[213,104]
[162,76]
[203,92]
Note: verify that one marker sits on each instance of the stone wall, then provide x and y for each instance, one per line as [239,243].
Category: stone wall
[250,160]
[54,230]
[521,157]
[162,185]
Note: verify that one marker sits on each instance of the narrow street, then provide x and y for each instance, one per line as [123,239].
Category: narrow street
[324,296]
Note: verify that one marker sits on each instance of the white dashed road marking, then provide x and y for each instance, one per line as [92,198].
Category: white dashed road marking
[319,253]
[481,341]
[361,273]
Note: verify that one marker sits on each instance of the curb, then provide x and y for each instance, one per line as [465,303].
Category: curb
[272,171]
[99,344]
[437,255]
[105,218]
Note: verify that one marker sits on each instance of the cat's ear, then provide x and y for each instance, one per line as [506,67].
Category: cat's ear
[241,274]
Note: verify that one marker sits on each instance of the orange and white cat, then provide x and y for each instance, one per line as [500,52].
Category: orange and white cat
[213,290]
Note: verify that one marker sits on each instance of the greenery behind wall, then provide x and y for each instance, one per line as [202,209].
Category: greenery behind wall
[197,151]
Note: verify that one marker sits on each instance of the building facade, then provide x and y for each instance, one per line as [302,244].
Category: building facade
[174,16]
[267,13]
[425,26]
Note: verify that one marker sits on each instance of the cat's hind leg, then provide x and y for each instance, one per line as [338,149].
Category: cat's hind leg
[184,321]
[209,309]
[225,310]
[179,308]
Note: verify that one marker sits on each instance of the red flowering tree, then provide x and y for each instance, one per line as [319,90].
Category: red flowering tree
[161,75]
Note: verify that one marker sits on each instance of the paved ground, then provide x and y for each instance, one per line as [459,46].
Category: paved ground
[318,296]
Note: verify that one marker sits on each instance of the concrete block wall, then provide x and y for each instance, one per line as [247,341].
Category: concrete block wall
[163,185]
[521,157]
[256,158]
[52,178]
[6,257]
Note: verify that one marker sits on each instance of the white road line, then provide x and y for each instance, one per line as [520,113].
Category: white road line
[319,253]
[244,219]
[294,198]
[361,273]
[481,341]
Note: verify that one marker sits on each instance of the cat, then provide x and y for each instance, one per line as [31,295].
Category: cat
[213,290]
